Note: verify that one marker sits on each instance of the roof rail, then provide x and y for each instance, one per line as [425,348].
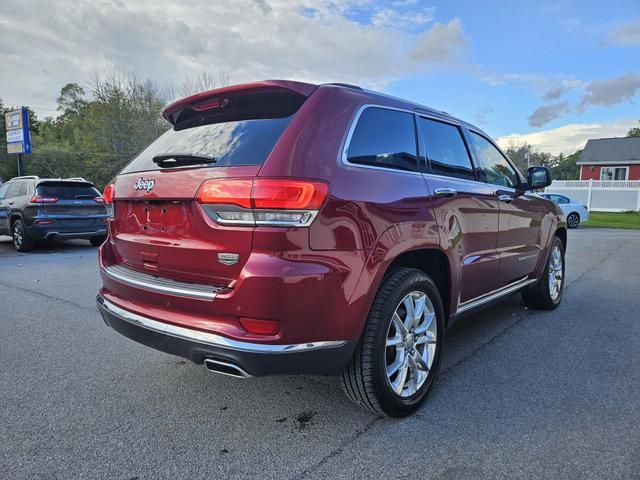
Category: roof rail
[80,179]
[346,85]
[26,177]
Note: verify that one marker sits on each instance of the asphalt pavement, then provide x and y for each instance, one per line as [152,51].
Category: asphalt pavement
[522,394]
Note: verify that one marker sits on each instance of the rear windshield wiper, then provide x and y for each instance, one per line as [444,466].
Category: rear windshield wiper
[166,160]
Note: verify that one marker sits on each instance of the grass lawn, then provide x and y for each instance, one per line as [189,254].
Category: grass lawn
[613,220]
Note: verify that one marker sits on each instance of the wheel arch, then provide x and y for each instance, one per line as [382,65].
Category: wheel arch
[13,216]
[561,232]
[433,262]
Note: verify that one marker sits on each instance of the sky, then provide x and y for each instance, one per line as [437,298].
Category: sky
[550,73]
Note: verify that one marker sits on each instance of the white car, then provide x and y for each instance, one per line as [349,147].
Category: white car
[574,211]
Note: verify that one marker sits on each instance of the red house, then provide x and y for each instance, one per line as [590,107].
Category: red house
[610,159]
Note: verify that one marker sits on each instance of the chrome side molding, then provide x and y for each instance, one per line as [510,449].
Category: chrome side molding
[491,296]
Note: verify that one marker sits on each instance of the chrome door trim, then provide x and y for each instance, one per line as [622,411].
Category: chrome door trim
[491,296]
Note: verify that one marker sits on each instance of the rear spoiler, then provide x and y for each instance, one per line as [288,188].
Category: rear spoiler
[266,99]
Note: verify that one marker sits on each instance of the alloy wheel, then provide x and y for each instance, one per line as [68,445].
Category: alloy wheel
[17,235]
[555,272]
[411,344]
[573,221]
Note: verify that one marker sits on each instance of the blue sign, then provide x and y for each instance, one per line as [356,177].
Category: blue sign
[18,133]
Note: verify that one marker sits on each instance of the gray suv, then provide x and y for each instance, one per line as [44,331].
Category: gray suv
[33,208]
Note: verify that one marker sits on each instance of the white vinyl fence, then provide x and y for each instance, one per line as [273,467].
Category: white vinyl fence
[601,195]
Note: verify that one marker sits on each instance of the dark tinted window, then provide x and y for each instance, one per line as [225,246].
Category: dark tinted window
[492,165]
[247,142]
[446,150]
[68,191]
[384,138]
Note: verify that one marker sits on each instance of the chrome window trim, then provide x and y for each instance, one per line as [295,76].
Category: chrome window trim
[133,278]
[352,127]
[211,339]
[521,177]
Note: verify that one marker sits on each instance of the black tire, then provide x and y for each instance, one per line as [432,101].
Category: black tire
[538,295]
[97,241]
[365,379]
[21,239]
[573,220]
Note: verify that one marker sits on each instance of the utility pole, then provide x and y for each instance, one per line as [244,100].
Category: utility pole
[20,169]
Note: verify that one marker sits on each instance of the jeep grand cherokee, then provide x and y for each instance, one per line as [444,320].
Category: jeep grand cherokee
[283,227]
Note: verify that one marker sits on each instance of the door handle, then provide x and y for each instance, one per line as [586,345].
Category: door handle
[11,203]
[445,192]
[505,198]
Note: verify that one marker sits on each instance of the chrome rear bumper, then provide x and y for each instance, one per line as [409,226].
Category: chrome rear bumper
[321,357]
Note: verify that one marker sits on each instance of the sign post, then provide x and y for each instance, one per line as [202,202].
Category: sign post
[18,134]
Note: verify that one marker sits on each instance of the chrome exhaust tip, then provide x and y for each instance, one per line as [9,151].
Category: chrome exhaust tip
[225,368]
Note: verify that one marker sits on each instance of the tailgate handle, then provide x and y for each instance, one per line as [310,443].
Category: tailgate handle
[150,265]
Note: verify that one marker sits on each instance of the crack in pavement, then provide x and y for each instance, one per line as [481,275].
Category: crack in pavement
[337,451]
[50,297]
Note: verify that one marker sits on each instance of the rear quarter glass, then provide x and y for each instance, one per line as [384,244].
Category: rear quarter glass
[245,142]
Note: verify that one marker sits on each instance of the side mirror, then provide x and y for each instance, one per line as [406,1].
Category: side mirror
[538,177]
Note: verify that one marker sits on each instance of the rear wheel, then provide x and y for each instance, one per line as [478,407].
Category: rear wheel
[397,358]
[573,220]
[21,239]
[97,241]
[546,294]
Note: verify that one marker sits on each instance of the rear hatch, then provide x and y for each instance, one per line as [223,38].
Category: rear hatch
[70,203]
[158,226]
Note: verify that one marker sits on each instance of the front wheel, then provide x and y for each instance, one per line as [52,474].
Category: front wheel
[573,220]
[398,356]
[546,293]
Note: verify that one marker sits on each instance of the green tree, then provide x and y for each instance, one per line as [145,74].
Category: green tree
[634,132]
[565,167]
[99,129]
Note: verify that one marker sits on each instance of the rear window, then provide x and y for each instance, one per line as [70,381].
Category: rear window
[68,191]
[246,142]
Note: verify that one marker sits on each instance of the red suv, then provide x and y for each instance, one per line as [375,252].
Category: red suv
[283,227]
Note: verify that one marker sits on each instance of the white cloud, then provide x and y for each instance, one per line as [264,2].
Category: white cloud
[45,45]
[569,138]
[402,17]
[440,43]
[626,35]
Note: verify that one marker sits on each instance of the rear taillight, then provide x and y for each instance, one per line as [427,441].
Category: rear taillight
[39,199]
[263,201]
[107,198]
